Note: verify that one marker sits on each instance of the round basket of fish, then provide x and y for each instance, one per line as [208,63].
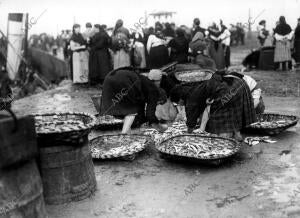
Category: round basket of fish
[118,145]
[108,122]
[67,127]
[199,147]
[272,124]
[193,76]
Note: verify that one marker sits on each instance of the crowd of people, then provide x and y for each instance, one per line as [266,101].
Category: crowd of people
[97,50]
[285,39]
[231,100]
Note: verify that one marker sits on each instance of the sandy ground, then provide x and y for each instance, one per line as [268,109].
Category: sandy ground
[260,181]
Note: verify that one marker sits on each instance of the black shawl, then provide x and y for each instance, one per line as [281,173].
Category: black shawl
[78,38]
[283,29]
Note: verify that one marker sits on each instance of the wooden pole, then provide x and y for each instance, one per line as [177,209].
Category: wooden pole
[26,37]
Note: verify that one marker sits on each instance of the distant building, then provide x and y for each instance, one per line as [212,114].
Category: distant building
[163,16]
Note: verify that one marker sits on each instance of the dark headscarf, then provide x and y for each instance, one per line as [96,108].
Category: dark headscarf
[77,37]
[118,25]
[282,28]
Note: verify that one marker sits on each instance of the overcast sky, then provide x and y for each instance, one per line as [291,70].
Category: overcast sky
[61,14]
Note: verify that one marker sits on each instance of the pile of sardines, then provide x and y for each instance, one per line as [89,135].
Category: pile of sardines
[200,147]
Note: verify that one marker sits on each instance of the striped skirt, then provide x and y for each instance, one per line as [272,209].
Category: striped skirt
[282,51]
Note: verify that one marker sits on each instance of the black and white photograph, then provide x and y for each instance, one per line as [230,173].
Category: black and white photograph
[149,109]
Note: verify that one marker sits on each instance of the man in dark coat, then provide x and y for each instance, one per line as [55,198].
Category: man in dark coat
[99,59]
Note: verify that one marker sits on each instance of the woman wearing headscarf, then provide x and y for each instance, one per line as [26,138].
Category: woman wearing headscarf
[120,46]
[198,46]
[297,43]
[157,49]
[215,49]
[126,92]
[179,47]
[283,35]
[228,99]
[100,61]
[79,56]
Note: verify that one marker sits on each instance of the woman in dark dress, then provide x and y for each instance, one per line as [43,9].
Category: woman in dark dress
[179,47]
[157,49]
[215,49]
[283,36]
[297,44]
[125,94]
[99,59]
[231,102]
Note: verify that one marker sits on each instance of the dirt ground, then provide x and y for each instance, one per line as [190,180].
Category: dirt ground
[260,181]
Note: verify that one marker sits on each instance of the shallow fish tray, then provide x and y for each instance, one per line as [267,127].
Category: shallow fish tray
[199,148]
[272,124]
[112,146]
[192,76]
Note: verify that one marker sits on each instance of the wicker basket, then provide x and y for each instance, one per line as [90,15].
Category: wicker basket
[107,123]
[211,148]
[193,76]
[57,128]
[101,147]
[275,127]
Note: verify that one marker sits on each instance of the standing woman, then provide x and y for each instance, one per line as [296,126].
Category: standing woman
[179,47]
[79,56]
[157,49]
[138,58]
[283,35]
[297,43]
[120,46]
[216,51]
[262,32]
[225,37]
[99,62]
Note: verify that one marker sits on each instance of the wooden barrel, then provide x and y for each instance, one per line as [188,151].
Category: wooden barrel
[21,190]
[67,172]
[266,59]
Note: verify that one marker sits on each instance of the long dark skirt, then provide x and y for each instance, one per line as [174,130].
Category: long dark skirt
[235,110]
[297,51]
[158,57]
[99,66]
[216,52]
[227,55]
